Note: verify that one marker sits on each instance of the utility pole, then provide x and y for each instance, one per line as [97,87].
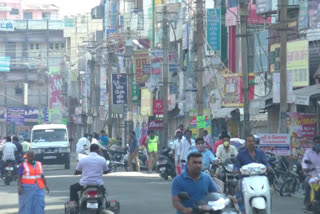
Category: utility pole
[165,74]
[200,42]
[92,92]
[283,64]
[244,60]
[109,70]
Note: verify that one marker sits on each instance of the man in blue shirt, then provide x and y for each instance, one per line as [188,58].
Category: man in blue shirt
[250,154]
[207,156]
[196,183]
[104,140]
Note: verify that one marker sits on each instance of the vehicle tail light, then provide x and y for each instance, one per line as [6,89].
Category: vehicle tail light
[91,194]
[9,165]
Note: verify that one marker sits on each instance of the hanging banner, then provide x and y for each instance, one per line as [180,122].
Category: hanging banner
[278,144]
[214,28]
[193,121]
[31,115]
[173,67]
[302,128]
[55,84]
[276,88]
[103,85]
[303,20]
[156,61]
[135,91]
[314,13]
[146,102]
[261,51]
[119,88]
[140,58]
[298,62]
[157,106]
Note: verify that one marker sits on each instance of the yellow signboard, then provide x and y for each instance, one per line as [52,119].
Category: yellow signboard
[146,102]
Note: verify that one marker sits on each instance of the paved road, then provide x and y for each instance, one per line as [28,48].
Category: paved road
[137,193]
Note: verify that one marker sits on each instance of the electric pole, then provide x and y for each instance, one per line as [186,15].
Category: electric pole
[283,64]
[109,70]
[165,74]
[92,92]
[243,11]
[200,41]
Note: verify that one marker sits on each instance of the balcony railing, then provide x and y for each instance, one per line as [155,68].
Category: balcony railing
[39,24]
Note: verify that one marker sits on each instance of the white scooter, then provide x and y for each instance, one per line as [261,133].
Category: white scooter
[255,189]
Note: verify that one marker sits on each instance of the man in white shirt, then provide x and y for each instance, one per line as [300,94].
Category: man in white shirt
[187,144]
[91,169]
[83,144]
[176,148]
[226,151]
[8,151]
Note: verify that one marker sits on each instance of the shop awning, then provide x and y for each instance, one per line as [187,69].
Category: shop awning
[303,95]
[223,113]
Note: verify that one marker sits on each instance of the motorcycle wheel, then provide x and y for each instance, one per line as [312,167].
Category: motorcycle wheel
[277,182]
[165,176]
[7,180]
[257,211]
[288,187]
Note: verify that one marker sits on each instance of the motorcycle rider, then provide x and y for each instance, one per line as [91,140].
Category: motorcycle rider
[8,150]
[91,169]
[207,156]
[226,151]
[19,154]
[313,155]
[224,136]
[250,154]
[82,144]
[196,183]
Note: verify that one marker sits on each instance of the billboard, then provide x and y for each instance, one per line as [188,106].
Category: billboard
[276,88]
[119,88]
[214,28]
[140,58]
[278,144]
[146,102]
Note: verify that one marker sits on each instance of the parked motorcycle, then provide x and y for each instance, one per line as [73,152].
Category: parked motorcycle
[255,189]
[213,203]
[142,160]
[117,155]
[165,165]
[93,199]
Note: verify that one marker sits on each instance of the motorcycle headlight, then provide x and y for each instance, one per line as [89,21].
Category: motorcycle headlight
[294,168]
[64,149]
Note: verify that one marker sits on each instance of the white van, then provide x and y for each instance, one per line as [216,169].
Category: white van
[50,144]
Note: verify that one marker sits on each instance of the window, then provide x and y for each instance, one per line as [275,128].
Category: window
[57,46]
[31,45]
[46,15]
[51,46]
[27,15]
[37,46]
[14,11]
[62,46]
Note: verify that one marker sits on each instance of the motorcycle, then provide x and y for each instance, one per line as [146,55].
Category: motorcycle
[142,160]
[117,154]
[228,177]
[165,165]
[93,200]
[213,203]
[314,183]
[255,189]
[10,174]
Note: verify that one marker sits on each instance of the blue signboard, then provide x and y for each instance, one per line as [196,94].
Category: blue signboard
[214,28]
[6,25]
[15,116]
[119,88]
[31,115]
[4,64]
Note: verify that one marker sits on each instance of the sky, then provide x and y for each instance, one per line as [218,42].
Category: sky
[70,7]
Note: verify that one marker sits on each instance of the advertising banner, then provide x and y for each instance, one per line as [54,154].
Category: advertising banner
[55,115]
[119,88]
[214,28]
[278,144]
[232,91]
[263,6]
[185,38]
[15,116]
[31,115]
[314,13]
[157,106]
[140,58]
[103,85]
[4,64]
[156,61]
[302,128]
[261,51]
[193,121]
[55,84]
[298,62]
[140,126]
[303,20]
[3,114]
[155,124]
[135,91]
[146,102]
[276,88]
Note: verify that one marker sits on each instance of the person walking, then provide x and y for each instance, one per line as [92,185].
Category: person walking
[31,184]
[104,140]
[133,152]
[187,144]
[152,147]
[176,149]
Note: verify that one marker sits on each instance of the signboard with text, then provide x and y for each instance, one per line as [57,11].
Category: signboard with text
[157,106]
[6,25]
[119,88]
[140,58]
[278,144]
[155,124]
[214,28]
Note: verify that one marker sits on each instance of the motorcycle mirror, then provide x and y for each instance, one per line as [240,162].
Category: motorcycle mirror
[184,196]
[308,162]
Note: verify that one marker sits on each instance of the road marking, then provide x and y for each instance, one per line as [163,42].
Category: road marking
[113,174]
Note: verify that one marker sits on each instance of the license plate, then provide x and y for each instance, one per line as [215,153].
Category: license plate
[162,169]
[9,168]
[49,157]
[92,205]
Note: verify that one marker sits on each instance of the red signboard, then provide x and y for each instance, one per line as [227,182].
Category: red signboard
[157,106]
[155,124]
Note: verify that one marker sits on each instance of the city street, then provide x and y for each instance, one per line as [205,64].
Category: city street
[137,193]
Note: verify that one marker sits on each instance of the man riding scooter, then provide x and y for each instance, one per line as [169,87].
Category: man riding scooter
[313,156]
[250,154]
[91,168]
